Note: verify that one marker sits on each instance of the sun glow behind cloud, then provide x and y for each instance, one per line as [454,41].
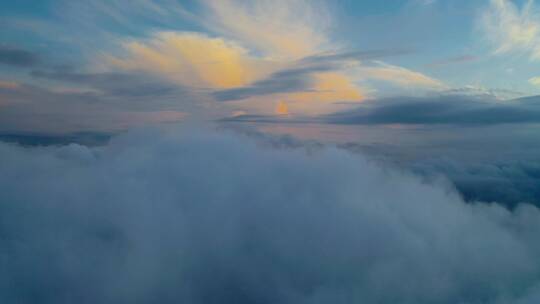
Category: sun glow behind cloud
[205,49]
[252,42]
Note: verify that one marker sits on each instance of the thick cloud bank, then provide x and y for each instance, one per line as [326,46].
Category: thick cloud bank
[204,217]
[451,109]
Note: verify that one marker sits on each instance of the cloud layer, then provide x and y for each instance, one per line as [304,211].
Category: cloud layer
[442,109]
[204,217]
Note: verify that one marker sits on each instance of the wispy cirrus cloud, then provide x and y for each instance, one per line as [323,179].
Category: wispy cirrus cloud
[400,76]
[279,29]
[511,28]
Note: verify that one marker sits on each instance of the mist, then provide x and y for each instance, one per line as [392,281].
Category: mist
[193,215]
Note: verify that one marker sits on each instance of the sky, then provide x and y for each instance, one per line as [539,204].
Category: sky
[269,151]
[71,66]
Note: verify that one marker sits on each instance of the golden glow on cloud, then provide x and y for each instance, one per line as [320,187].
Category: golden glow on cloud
[257,39]
[336,86]
[194,60]
[238,113]
[328,88]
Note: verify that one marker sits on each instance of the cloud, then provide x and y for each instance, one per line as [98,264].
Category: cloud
[450,109]
[17,57]
[535,81]
[193,59]
[37,139]
[316,76]
[279,29]
[400,76]
[473,159]
[78,109]
[135,85]
[478,91]
[312,85]
[510,28]
[260,52]
[8,84]
[230,73]
[138,220]
[284,81]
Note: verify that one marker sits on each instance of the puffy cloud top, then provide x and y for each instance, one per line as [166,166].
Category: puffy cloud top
[204,217]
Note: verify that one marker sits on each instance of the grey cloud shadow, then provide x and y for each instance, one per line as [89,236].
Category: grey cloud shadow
[18,57]
[443,109]
[291,80]
[112,83]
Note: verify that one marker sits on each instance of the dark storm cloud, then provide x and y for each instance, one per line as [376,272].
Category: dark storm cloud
[17,57]
[184,216]
[449,109]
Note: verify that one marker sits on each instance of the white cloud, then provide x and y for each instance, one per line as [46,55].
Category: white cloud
[535,81]
[400,76]
[282,29]
[185,216]
[513,29]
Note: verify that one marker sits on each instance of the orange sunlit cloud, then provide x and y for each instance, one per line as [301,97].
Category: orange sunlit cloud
[255,40]
[195,60]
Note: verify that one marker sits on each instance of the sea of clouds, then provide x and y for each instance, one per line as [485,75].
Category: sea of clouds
[204,216]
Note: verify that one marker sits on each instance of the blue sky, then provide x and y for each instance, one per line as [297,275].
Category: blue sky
[214,59]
